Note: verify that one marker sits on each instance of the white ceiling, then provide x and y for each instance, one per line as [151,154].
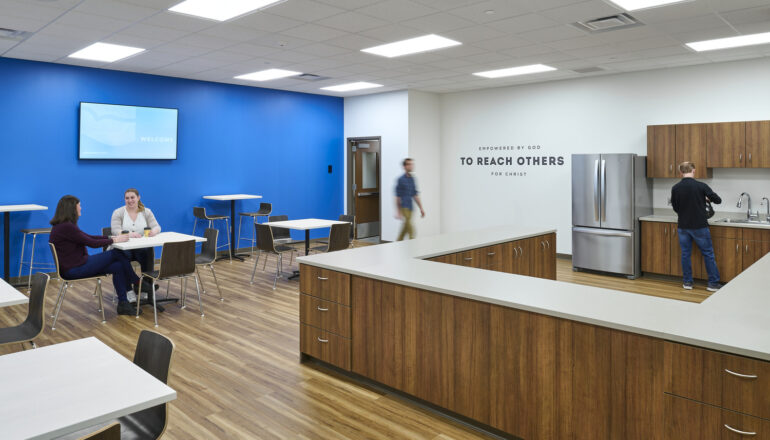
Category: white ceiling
[324,37]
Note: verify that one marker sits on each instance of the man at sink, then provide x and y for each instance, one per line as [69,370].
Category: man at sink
[688,198]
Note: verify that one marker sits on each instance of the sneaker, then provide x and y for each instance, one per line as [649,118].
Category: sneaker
[126,308]
[687,286]
[131,296]
[714,287]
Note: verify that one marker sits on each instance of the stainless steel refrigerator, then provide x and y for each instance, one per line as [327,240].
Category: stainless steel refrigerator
[609,194]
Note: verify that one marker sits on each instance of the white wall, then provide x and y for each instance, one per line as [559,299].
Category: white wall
[385,115]
[425,149]
[606,114]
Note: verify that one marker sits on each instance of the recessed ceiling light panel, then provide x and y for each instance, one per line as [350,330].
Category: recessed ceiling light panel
[634,5]
[730,42]
[106,52]
[412,45]
[351,86]
[220,10]
[512,71]
[267,75]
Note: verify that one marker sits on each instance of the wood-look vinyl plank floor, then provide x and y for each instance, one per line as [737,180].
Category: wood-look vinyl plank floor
[237,371]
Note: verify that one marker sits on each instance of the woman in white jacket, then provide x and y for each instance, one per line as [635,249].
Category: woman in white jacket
[134,217]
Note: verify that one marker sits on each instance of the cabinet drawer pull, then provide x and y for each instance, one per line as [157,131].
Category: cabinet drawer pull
[322,340]
[665,231]
[737,248]
[542,243]
[749,157]
[743,376]
[323,278]
[491,254]
[515,251]
[747,249]
[740,157]
[468,258]
[521,251]
[739,431]
[321,309]
[548,243]
[671,167]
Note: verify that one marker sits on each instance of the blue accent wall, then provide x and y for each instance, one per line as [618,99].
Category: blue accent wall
[232,139]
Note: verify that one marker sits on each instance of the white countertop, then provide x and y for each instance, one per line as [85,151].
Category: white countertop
[54,390]
[736,319]
[233,197]
[17,208]
[713,221]
[9,296]
[156,240]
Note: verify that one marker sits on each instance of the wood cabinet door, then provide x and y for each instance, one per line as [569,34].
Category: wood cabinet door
[661,151]
[549,257]
[693,373]
[746,385]
[537,248]
[726,145]
[689,420]
[494,257]
[691,147]
[656,247]
[447,259]
[758,144]
[728,253]
[753,251]
[471,258]
[523,256]
[737,426]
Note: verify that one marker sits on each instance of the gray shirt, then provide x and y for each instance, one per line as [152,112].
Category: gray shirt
[120,215]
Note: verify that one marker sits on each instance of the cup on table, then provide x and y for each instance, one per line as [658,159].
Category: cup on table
[124,232]
[147,232]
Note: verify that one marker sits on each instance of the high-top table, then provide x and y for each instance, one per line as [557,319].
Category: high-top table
[232,198]
[7,210]
[9,296]
[305,224]
[55,390]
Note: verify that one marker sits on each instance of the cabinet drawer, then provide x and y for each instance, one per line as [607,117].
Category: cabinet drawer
[326,315]
[689,420]
[325,284]
[746,385]
[325,346]
[756,234]
[726,232]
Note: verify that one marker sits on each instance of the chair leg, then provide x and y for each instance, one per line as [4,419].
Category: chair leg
[168,287]
[214,274]
[31,263]
[238,242]
[183,289]
[277,269]
[254,272]
[63,292]
[139,295]
[203,287]
[23,245]
[58,298]
[101,302]
[264,264]
[195,223]
[154,304]
[229,245]
[200,302]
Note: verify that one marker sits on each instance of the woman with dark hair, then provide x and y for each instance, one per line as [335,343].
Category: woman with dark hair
[74,262]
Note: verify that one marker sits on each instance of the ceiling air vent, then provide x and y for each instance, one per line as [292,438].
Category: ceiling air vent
[310,77]
[588,70]
[12,34]
[605,24]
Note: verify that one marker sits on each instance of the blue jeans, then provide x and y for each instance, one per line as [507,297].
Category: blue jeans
[702,238]
[113,262]
[143,257]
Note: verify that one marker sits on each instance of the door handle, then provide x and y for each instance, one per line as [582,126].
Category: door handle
[323,278]
[542,243]
[740,157]
[521,250]
[604,190]
[671,167]
[742,376]
[490,254]
[749,157]
[737,248]
[468,258]
[322,309]
[747,249]
[548,243]
[596,190]
[738,431]
[322,340]
[665,231]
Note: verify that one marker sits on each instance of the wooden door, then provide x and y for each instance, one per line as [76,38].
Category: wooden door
[522,257]
[472,258]
[656,247]
[746,385]
[726,145]
[549,257]
[729,257]
[493,257]
[364,178]
[661,151]
[758,144]
[538,251]
[691,147]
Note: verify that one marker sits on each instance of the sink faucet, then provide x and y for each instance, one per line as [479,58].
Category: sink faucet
[740,202]
[767,205]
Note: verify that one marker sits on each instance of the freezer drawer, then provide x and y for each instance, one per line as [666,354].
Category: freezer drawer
[604,250]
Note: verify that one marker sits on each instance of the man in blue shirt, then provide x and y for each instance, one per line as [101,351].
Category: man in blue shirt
[406,190]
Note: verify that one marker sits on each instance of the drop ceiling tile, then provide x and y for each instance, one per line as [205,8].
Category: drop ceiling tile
[67,31]
[542,5]
[205,41]
[628,34]
[674,12]
[462,51]
[753,28]
[354,42]
[647,43]
[31,55]
[349,4]
[527,51]
[232,32]
[6,44]
[490,10]
[507,42]
[322,50]
[288,56]
[180,22]
[360,68]
[438,23]
[29,9]
[160,56]
[281,41]
[133,41]
[143,63]
[690,24]
[577,43]
[224,58]
[155,32]
[393,32]
[80,19]
[704,34]
[452,63]
[355,57]
[596,51]
[396,10]
[552,34]
[587,10]
[21,23]
[313,32]
[183,49]
[304,10]
[158,4]
[487,58]
[116,9]
[473,34]
[352,22]
[217,75]
[264,22]
[523,23]
[317,64]
[253,50]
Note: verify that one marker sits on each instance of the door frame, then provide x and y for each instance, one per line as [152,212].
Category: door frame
[349,196]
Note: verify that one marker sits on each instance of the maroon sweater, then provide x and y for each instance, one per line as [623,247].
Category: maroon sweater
[70,243]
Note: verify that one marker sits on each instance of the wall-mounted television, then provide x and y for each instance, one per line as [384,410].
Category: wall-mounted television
[109,131]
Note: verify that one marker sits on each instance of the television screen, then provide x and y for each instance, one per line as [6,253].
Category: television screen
[110,131]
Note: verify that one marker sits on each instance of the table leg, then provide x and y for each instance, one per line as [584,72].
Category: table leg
[307,241]
[232,234]
[6,246]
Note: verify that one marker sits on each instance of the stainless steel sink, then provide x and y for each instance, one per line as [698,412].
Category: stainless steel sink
[743,221]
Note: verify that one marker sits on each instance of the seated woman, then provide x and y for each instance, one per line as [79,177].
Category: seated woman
[74,262]
[134,217]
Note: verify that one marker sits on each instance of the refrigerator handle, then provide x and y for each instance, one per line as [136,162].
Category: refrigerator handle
[604,191]
[596,190]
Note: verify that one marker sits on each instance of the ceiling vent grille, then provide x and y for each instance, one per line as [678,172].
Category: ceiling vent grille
[12,34]
[310,77]
[588,70]
[605,24]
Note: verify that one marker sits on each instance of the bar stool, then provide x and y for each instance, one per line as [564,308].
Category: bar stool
[264,211]
[200,214]
[34,233]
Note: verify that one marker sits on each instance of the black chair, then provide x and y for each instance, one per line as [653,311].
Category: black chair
[207,256]
[109,432]
[65,283]
[31,328]
[200,214]
[343,218]
[266,244]
[264,211]
[339,238]
[177,261]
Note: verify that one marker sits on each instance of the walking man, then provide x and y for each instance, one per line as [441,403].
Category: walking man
[406,190]
[688,197]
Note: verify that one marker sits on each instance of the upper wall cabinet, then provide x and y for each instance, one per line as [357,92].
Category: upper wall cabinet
[758,144]
[726,145]
[670,145]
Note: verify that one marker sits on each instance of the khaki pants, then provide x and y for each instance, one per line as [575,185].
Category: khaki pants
[407,227]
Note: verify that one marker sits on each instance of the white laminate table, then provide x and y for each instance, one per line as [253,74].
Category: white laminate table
[9,296]
[7,210]
[305,224]
[54,390]
[156,240]
[232,198]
